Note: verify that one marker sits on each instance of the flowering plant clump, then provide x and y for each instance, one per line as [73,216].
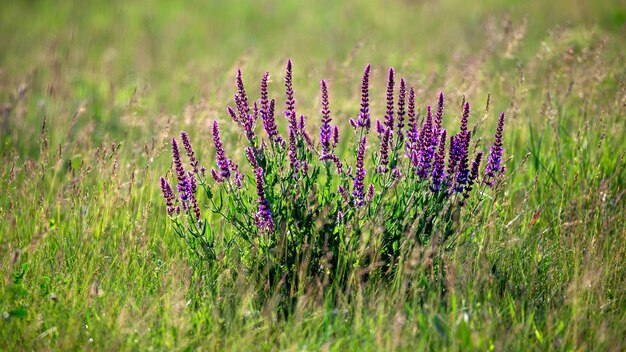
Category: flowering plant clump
[303,216]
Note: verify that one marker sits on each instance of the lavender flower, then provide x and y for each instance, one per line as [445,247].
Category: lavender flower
[396,174]
[191,195]
[232,114]
[325,129]
[463,161]
[180,172]
[269,123]
[426,150]
[264,95]
[383,165]
[291,102]
[216,177]
[242,97]
[401,112]
[389,116]
[168,195]
[187,144]
[358,191]
[495,155]
[364,114]
[251,157]
[263,217]
[464,118]
[293,152]
[220,156]
[439,113]
[438,166]
[335,136]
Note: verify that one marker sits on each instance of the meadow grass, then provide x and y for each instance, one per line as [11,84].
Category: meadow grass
[91,94]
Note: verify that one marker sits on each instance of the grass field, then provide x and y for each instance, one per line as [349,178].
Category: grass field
[91,94]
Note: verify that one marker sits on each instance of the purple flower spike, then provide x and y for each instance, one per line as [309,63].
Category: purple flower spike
[242,100]
[383,166]
[473,175]
[464,118]
[251,158]
[168,195]
[495,155]
[263,217]
[325,129]
[232,114]
[439,113]
[291,101]
[335,136]
[222,162]
[427,146]
[438,166]
[358,191]
[389,117]
[370,193]
[191,195]
[187,144]
[265,103]
[364,114]
[293,152]
[180,171]
[463,161]
[401,111]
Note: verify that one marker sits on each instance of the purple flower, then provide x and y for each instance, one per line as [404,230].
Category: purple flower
[264,95]
[263,216]
[358,192]
[396,173]
[380,128]
[222,162]
[325,129]
[464,118]
[242,98]
[495,155]
[343,192]
[291,101]
[191,195]
[438,166]
[168,195]
[427,147]
[383,165]
[216,176]
[473,175]
[187,144]
[335,136]
[251,157]
[232,114]
[269,123]
[439,113]
[401,111]
[293,151]
[389,116]
[180,172]
[463,161]
[364,114]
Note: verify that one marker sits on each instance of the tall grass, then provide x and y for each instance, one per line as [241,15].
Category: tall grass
[89,108]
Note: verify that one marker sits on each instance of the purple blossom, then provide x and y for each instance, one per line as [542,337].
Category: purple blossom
[168,195]
[463,161]
[251,157]
[269,123]
[238,179]
[439,113]
[495,155]
[426,151]
[396,174]
[364,113]
[325,129]
[335,136]
[232,114]
[401,112]
[216,177]
[438,166]
[264,100]
[383,166]
[180,172]
[242,98]
[222,162]
[343,192]
[389,116]
[293,151]
[473,175]
[263,216]
[358,191]
[191,195]
[187,144]
[291,101]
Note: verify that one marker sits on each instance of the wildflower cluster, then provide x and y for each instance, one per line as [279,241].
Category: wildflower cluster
[304,204]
